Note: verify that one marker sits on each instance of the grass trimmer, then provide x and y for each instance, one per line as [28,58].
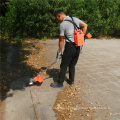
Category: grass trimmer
[39,77]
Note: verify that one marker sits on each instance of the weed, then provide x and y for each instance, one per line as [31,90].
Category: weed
[44,38]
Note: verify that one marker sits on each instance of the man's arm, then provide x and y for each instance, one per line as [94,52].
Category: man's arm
[61,41]
[84,27]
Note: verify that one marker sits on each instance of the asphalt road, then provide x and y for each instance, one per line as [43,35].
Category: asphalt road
[98,70]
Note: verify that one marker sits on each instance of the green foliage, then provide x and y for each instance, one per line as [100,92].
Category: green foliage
[3,49]
[18,42]
[44,38]
[35,18]
[4,46]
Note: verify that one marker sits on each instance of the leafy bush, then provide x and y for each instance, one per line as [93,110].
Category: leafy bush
[18,42]
[35,18]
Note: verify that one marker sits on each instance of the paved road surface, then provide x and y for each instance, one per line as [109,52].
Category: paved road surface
[98,69]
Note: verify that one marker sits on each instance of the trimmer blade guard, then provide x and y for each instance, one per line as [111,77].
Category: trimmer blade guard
[39,78]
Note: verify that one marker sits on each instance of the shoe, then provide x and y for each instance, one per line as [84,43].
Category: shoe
[56,85]
[69,82]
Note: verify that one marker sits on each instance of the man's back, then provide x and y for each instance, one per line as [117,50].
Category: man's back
[67,28]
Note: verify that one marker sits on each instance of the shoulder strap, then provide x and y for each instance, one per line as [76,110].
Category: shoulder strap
[72,21]
[68,39]
[75,25]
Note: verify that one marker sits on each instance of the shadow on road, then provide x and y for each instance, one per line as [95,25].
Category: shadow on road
[54,73]
[17,73]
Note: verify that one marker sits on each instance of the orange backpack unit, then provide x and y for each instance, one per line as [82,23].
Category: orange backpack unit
[78,34]
[78,37]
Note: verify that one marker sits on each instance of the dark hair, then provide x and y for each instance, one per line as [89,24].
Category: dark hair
[59,12]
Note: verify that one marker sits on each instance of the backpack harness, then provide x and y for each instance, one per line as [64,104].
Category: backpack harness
[78,34]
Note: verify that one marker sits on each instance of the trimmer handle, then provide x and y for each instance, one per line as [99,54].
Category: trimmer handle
[59,55]
[88,36]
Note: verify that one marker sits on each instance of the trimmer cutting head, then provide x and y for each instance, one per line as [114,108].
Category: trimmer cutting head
[39,79]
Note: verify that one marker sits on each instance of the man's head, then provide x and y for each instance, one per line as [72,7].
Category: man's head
[60,15]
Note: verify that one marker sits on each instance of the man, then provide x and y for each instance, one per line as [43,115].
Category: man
[71,52]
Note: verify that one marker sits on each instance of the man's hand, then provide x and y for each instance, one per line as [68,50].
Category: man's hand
[59,55]
[84,27]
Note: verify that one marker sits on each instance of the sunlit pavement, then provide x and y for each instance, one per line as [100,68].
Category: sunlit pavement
[97,72]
